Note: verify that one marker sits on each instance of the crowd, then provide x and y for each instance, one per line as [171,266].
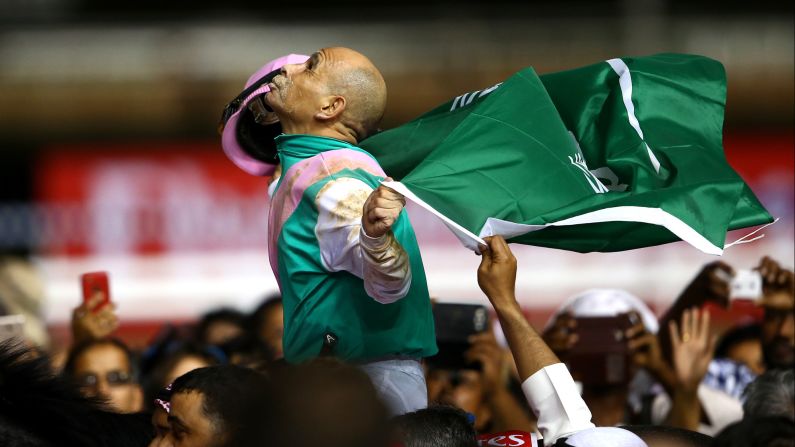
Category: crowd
[347,355]
[223,382]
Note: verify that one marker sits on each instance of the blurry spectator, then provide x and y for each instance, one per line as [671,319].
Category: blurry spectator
[719,400]
[39,409]
[607,388]
[22,293]
[219,326]
[481,388]
[435,426]
[325,402]
[217,406]
[771,394]
[248,351]
[758,432]
[267,323]
[743,345]
[738,360]
[664,436]
[175,360]
[778,327]
[105,369]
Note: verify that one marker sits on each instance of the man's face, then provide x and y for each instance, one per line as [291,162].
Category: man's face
[461,388]
[749,353]
[105,371]
[188,425]
[778,330]
[296,94]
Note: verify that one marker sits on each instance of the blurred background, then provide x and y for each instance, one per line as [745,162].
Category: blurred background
[110,160]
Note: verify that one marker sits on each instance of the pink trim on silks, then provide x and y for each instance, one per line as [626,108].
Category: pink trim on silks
[301,176]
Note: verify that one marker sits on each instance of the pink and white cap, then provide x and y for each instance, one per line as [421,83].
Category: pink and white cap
[232,147]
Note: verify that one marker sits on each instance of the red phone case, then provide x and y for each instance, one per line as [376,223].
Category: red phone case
[93,282]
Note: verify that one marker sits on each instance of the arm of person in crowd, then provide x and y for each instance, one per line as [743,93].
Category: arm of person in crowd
[508,413]
[92,322]
[692,347]
[547,384]
[644,348]
[354,234]
[710,285]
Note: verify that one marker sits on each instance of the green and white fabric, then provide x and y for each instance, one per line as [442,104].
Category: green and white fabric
[613,156]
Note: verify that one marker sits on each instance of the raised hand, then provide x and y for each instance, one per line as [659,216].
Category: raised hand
[692,348]
[92,320]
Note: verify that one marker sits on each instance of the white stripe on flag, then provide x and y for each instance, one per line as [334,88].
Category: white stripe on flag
[654,216]
[625,81]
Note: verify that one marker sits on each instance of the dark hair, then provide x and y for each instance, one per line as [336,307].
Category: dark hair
[758,432]
[740,334]
[248,351]
[435,426]
[78,350]
[234,400]
[225,314]
[167,357]
[39,408]
[257,317]
[685,438]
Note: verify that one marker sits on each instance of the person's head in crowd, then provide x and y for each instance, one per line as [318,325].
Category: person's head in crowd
[336,93]
[778,326]
[666,436]
[267,323]
[463,388]
[106,369]
[216,406]
[758,432]
[248,351]
[41,409]
[605,367]
[175,361]
[219,326]
[743,345]
[326,402]
[435,426]
[771,394]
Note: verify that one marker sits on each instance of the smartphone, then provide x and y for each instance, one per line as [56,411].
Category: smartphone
[95,282]
[745,285]
[11,326]
[601,356]
[455,323]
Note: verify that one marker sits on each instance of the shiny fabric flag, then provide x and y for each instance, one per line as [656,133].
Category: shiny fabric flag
[613,156]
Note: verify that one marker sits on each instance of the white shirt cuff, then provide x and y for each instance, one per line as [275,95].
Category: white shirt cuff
[553,397]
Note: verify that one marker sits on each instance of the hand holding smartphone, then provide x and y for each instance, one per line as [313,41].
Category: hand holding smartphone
[95,284]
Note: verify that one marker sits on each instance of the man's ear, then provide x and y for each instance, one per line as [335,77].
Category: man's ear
[332,107]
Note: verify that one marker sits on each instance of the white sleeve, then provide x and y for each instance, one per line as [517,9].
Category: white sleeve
[381,262]
[556,402]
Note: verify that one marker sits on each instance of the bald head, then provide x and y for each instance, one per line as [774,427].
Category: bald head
[361,84]
[338,93]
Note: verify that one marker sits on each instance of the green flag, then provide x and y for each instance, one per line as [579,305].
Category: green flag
[618,155]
